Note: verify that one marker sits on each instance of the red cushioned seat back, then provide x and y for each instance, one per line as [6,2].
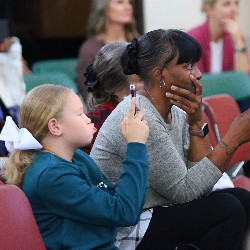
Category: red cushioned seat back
[211,134]
[225,109]
[18,228]
[242,181]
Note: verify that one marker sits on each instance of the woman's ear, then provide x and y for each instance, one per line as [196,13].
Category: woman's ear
[157,74]
[54,127]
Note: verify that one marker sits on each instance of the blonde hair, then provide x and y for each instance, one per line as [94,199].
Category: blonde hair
[39,106]
[98,20]
[207,3]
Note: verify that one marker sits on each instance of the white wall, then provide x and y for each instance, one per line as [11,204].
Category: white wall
[184,14]
[245,17]
[179,14]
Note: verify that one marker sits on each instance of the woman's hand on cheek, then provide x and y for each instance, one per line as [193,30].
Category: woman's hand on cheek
[188,100]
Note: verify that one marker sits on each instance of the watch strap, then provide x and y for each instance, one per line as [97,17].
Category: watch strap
[241,49]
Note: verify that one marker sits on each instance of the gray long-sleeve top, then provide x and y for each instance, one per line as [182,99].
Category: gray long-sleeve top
[173,179]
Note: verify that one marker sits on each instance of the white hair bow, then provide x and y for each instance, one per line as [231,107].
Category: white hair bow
[16,138]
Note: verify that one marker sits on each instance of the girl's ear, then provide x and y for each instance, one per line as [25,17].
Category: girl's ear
[54,127]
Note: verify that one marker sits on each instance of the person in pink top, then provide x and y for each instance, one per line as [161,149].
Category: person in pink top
[224,47]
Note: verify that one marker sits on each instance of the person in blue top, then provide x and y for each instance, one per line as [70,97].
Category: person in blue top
[75,206]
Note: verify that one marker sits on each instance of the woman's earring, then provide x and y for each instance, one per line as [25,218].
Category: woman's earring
[162,82]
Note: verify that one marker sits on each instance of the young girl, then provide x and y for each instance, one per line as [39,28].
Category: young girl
[74,204]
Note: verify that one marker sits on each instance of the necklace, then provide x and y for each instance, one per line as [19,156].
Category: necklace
[167,119]
[154,102]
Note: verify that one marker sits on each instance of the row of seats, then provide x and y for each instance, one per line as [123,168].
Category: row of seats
[219,111]
[56,71]
[233,83]
[236,84]
[65,65]
[20,230]
[35,79]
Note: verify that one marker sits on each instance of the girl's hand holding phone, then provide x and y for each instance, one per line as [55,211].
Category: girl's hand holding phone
[132,90]
[134,127]
[133,93]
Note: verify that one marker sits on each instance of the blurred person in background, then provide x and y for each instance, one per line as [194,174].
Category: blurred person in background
[223,45]
[109,21]
[12,64]
[12,85]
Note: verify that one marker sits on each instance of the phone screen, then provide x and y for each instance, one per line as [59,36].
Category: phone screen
[132,90]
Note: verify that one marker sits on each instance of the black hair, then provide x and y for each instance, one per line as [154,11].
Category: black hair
[156,49]
[188,48]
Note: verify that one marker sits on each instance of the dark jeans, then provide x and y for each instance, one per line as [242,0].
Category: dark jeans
[218,221]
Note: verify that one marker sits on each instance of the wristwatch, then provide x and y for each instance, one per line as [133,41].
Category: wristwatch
[202,133]
[241,49]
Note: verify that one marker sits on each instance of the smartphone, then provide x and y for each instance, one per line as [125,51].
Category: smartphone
[132,90]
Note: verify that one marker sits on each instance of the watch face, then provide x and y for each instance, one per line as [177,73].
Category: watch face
[205,129]
[202,133]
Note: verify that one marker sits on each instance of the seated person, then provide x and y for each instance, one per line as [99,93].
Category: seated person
[109,21]
[12,85]
[183,166]
[6,44]
[73,203]
[220,37]
[107,85]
